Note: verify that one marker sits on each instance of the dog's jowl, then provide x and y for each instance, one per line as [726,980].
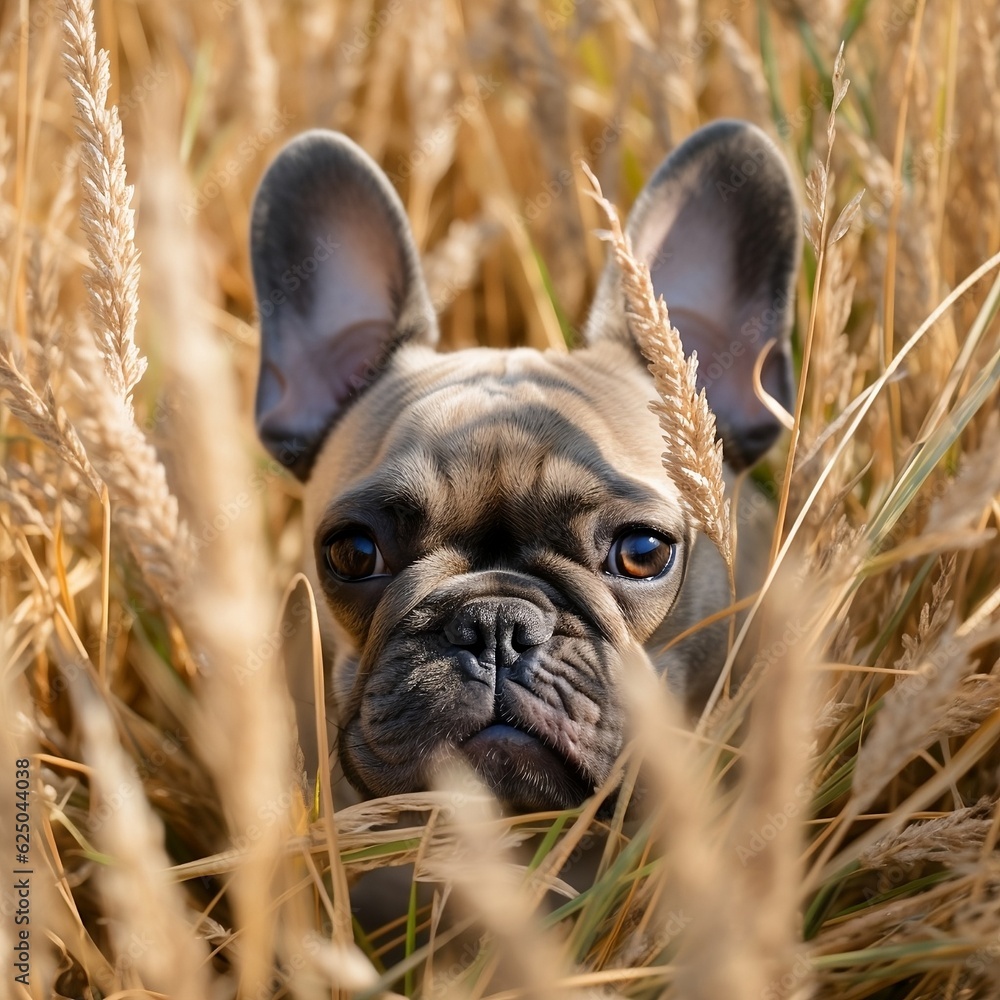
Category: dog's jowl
[489,529]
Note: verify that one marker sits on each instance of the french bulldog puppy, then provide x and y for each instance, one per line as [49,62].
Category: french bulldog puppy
[488,529]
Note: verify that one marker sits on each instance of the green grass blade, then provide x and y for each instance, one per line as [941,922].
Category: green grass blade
[933,450]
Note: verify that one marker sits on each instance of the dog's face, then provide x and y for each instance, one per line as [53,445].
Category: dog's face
[490,529]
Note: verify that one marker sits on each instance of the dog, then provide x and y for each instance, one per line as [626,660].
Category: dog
[487,530]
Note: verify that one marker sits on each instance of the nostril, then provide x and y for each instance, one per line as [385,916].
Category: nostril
[466,636]
[463,632]
[499,631]
[526,633]
[520,641]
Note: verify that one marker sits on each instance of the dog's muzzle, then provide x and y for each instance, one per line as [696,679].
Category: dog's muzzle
[518,682]
[495,636]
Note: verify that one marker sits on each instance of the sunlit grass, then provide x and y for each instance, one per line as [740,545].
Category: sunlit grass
[829,829]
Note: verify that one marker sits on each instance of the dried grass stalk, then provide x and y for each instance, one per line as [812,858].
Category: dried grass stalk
[744,931]
[693,459]
[431,87]
[64,501]
[45,419]
[747,72]
[260,68]
[691,879]
[953,839]
[20,736]
[21,510]
[113,281]
[142,904]
[977,699]
[145,509]
[917,921]
[480,864]
[819,179]
[964,497]
[767,833]
[43,295]
[939,655]
[240,724]
[453,264]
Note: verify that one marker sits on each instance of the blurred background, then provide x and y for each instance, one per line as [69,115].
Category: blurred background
[147,613]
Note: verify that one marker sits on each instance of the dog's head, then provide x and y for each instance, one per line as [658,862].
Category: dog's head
[490,528]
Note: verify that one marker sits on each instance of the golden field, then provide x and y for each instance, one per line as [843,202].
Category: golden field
[828,829]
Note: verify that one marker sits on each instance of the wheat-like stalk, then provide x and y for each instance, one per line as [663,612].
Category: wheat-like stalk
[900,892]
[45,419]
[693,459]
[954,836]
[933,664]
[19,509]
[113,281]
[145,509]
[451,267]
[238,723]
[136,887]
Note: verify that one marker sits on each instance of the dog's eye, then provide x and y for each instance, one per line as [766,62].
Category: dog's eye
[640,554]
[353,555]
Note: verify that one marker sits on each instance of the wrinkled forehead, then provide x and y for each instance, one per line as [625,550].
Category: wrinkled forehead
[519,424]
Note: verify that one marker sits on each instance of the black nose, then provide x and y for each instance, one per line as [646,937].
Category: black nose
[496,631]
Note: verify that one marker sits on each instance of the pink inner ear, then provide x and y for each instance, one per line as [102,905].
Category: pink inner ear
[305,381]
[691,252]
[690,257]
[316,361]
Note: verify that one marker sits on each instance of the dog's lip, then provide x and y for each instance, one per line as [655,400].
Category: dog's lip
[522,771]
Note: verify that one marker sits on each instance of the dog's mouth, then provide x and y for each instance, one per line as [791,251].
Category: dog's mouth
[524,773]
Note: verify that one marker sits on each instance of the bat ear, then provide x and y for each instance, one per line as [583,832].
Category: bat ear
[338,286]
[719,226]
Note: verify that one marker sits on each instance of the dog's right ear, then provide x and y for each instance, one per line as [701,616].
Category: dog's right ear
[720,228]
[338,285]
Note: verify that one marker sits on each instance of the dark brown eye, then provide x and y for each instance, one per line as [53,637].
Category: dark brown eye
[353,555]
[639,554]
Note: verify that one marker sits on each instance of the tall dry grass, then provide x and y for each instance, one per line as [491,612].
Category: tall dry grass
[828,829]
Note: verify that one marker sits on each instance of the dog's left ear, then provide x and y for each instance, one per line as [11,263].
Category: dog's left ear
[719,226]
